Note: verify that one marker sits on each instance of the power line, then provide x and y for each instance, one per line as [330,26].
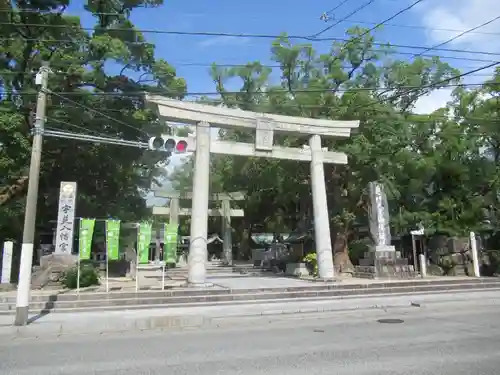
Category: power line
[269,93]
[73,126]
[334,9]
[357,38]
[432,85]
[465,32]
[295,105]
[243,35]
[246,16]
[335,106]
[421,27]
[403,53]
[357,10]
[97,112]
[14,73]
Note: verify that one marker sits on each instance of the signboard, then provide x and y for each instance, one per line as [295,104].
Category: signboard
[85,238]
[66,218]
[143,242]
[113,239]
[170,243]
[264,135]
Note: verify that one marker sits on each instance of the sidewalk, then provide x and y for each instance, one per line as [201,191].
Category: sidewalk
[51,325]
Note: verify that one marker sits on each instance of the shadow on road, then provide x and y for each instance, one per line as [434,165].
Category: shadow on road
[49,305]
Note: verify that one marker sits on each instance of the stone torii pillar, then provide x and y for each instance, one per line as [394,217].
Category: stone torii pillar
[225,212]
[265,125]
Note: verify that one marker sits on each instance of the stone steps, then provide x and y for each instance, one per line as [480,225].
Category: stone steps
[72,302]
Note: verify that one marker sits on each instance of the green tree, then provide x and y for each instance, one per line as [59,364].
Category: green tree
[355,80]
[97,80]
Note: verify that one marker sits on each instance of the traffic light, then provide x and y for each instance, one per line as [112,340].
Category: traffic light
[172,145]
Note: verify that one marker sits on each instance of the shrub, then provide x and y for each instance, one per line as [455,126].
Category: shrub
[312,262]
[88,276]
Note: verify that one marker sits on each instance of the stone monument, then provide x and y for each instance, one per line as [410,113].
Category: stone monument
[382,260]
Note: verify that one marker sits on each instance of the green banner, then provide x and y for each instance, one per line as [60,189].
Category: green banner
[85,238]
[170,243]
[143,242]
[113,239]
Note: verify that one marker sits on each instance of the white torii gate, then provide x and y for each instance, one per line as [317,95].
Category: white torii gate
[265,124]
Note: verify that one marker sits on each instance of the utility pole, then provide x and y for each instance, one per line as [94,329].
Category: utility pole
[24,284]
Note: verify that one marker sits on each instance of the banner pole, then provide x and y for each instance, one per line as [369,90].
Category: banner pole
[107,255]
[78,261]
[163,276]
[137,259]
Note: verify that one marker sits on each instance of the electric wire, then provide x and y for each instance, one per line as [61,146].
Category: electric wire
[241,35]
[463,33]
[357,10]
[354,21]
[97,112]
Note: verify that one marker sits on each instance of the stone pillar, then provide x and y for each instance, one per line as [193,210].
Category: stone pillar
[199,213]
[174,211]
[321,220]
[475,257]
[423,265]
[8,247]
[227,245]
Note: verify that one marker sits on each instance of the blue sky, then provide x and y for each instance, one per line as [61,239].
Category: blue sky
[293,17]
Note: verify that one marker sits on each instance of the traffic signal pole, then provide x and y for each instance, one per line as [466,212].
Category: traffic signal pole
[24,283]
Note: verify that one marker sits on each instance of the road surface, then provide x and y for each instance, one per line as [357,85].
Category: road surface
[451,339]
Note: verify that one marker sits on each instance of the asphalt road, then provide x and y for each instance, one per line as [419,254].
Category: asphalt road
[455,339]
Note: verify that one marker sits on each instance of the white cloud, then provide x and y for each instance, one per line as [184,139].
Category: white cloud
[223,41]
[461,15]
[435,100]
[445,19]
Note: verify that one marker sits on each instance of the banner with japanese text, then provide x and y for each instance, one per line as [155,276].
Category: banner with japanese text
[170,243]
[143,242]
[113,239]
[85,238]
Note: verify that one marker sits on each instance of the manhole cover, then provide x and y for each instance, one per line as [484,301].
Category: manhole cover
[391,321]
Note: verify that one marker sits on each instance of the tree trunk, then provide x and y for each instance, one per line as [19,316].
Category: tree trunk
[341,259]
[245,251]
[9,192]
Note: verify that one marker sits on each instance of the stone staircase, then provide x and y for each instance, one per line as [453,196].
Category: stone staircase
[68,301]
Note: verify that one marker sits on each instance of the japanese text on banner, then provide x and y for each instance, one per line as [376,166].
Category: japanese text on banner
[143,242]
[85,238]
[113,239]
[170,243]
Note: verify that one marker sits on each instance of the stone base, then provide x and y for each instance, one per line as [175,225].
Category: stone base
[51,267]
[384,262]
[296,269]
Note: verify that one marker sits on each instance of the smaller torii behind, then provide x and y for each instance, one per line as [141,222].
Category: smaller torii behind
[174,211]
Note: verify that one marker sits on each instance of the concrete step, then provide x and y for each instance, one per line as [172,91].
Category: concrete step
[207,297]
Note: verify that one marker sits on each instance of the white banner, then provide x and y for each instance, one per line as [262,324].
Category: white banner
[66,218]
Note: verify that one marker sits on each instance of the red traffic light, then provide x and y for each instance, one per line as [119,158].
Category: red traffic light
[181,146]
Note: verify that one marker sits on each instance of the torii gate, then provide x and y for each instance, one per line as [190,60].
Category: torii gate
[203,116]
[174,211]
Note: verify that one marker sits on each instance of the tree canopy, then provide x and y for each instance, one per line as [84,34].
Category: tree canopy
[98,76]
[439,169]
